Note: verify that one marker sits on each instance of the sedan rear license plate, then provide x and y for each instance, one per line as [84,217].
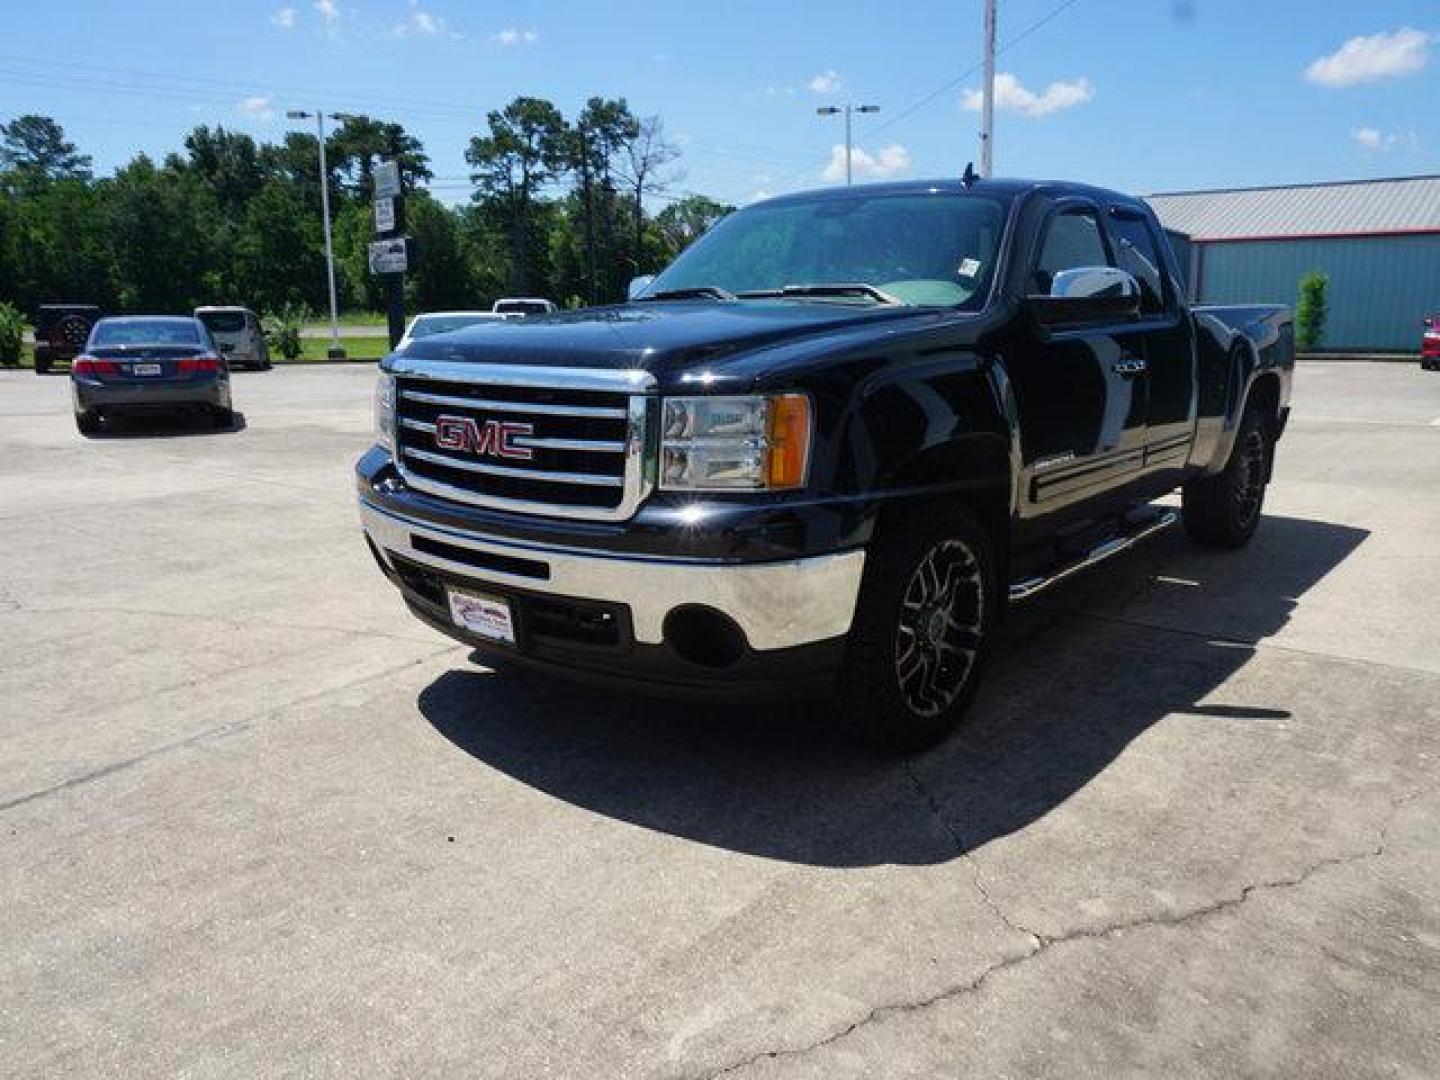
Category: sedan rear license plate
[487,616]
[147,369]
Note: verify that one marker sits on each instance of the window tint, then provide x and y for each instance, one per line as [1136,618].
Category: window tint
[224,322]
[147,332]
[1135,253]
[1072,240]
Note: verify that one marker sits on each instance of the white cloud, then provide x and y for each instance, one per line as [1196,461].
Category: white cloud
[511,36]
[891,160]
[329,9]
[1012,96]
[758,195]
[1379,142]
[284,18]
[1373,59]
[422,22]
[827,82]
[259,107]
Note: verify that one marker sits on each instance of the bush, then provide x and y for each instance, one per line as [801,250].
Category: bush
[282,330]
[12,334]
[1310,313]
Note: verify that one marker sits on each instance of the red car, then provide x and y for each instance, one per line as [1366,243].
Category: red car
[1430,344]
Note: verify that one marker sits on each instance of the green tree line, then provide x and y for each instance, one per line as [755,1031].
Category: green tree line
[561,208]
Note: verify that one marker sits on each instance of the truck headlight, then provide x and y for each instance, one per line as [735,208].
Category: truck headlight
[385,411]
[759,442]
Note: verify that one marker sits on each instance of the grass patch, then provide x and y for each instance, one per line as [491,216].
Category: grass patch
[312,350]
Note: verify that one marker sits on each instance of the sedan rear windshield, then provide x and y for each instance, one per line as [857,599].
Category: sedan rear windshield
[146,332]
[224,322]
[932,249]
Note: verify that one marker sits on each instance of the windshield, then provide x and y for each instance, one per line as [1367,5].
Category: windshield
[928,249]
[145,332]
[224,322]
[426,325]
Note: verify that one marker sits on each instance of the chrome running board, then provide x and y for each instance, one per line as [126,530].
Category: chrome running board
[1023,590]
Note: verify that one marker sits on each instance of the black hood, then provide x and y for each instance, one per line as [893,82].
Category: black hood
[664,338]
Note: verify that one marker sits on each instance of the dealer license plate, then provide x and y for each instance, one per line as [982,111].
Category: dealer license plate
[488,616]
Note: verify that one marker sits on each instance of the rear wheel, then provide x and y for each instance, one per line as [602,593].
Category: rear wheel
[922,627]
[1224,510]
[88,422]
[223,418]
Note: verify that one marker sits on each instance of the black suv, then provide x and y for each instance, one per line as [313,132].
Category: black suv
[61,331]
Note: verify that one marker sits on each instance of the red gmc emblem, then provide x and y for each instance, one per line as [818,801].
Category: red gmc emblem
[488,438]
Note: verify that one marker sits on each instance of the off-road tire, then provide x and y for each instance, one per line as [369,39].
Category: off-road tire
[1224,510]
[882,698]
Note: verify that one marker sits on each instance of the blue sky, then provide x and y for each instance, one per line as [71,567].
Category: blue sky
[1143,95]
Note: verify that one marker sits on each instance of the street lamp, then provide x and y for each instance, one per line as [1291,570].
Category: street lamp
[835,110]
[335,352]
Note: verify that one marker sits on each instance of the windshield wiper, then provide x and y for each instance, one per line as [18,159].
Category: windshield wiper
[880,296]
[693,292]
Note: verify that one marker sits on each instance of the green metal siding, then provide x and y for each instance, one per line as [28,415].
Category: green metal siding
[1380,286]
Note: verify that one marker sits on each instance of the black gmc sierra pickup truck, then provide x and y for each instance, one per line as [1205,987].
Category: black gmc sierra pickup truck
[825,448]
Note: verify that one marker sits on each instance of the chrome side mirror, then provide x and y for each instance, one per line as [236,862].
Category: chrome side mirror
[638,285]
[1088,294]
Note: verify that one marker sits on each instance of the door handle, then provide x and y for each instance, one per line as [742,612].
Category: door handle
[1129,365]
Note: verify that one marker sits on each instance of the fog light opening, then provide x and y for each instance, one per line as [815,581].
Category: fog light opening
[704,636]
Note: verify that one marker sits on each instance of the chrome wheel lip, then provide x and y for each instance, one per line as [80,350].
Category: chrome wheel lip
[938,633]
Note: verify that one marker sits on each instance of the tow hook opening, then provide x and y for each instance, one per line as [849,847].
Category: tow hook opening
[704,636]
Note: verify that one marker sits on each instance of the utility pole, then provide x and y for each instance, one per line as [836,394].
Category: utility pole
[335,352]
[834,110]
[987,112]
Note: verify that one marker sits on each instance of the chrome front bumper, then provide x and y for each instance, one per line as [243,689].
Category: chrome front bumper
[778,605]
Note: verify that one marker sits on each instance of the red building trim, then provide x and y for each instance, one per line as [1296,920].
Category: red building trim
[1370,235]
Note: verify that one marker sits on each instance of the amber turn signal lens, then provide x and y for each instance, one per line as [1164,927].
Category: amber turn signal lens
[787,432]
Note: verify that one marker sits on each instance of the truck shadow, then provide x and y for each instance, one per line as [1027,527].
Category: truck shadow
[1176,620]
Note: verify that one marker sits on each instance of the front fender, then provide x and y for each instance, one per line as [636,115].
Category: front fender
[935,425]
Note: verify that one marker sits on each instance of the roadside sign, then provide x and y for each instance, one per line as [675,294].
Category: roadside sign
[387,179]
[384,213]
[388,257]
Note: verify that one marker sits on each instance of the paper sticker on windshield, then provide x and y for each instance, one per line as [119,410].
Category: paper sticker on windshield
[969,268]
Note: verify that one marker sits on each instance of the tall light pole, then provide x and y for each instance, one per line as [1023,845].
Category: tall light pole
[335,352]
[835,110]
[987,108]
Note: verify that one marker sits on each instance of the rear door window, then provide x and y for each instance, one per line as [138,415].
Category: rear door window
[1137,254]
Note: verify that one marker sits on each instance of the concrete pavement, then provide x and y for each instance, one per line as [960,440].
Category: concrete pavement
[255,820]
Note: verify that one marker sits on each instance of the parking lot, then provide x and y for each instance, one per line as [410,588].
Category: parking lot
[255,820]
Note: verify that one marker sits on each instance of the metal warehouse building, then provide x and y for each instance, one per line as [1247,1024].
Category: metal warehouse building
[1378,240]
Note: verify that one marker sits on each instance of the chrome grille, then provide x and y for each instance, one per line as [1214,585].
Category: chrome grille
[580,440]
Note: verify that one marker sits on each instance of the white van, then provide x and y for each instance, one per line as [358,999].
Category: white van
[237,334]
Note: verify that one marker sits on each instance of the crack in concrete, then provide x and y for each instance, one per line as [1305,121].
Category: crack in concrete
[965,852]
[1043,943]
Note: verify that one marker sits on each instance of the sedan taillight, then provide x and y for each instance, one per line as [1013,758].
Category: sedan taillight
[199,363]
[88,365]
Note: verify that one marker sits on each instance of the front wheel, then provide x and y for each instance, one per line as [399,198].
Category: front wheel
[1224,510]
[922,626]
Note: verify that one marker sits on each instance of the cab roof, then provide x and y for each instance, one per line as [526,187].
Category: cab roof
[1002,187]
